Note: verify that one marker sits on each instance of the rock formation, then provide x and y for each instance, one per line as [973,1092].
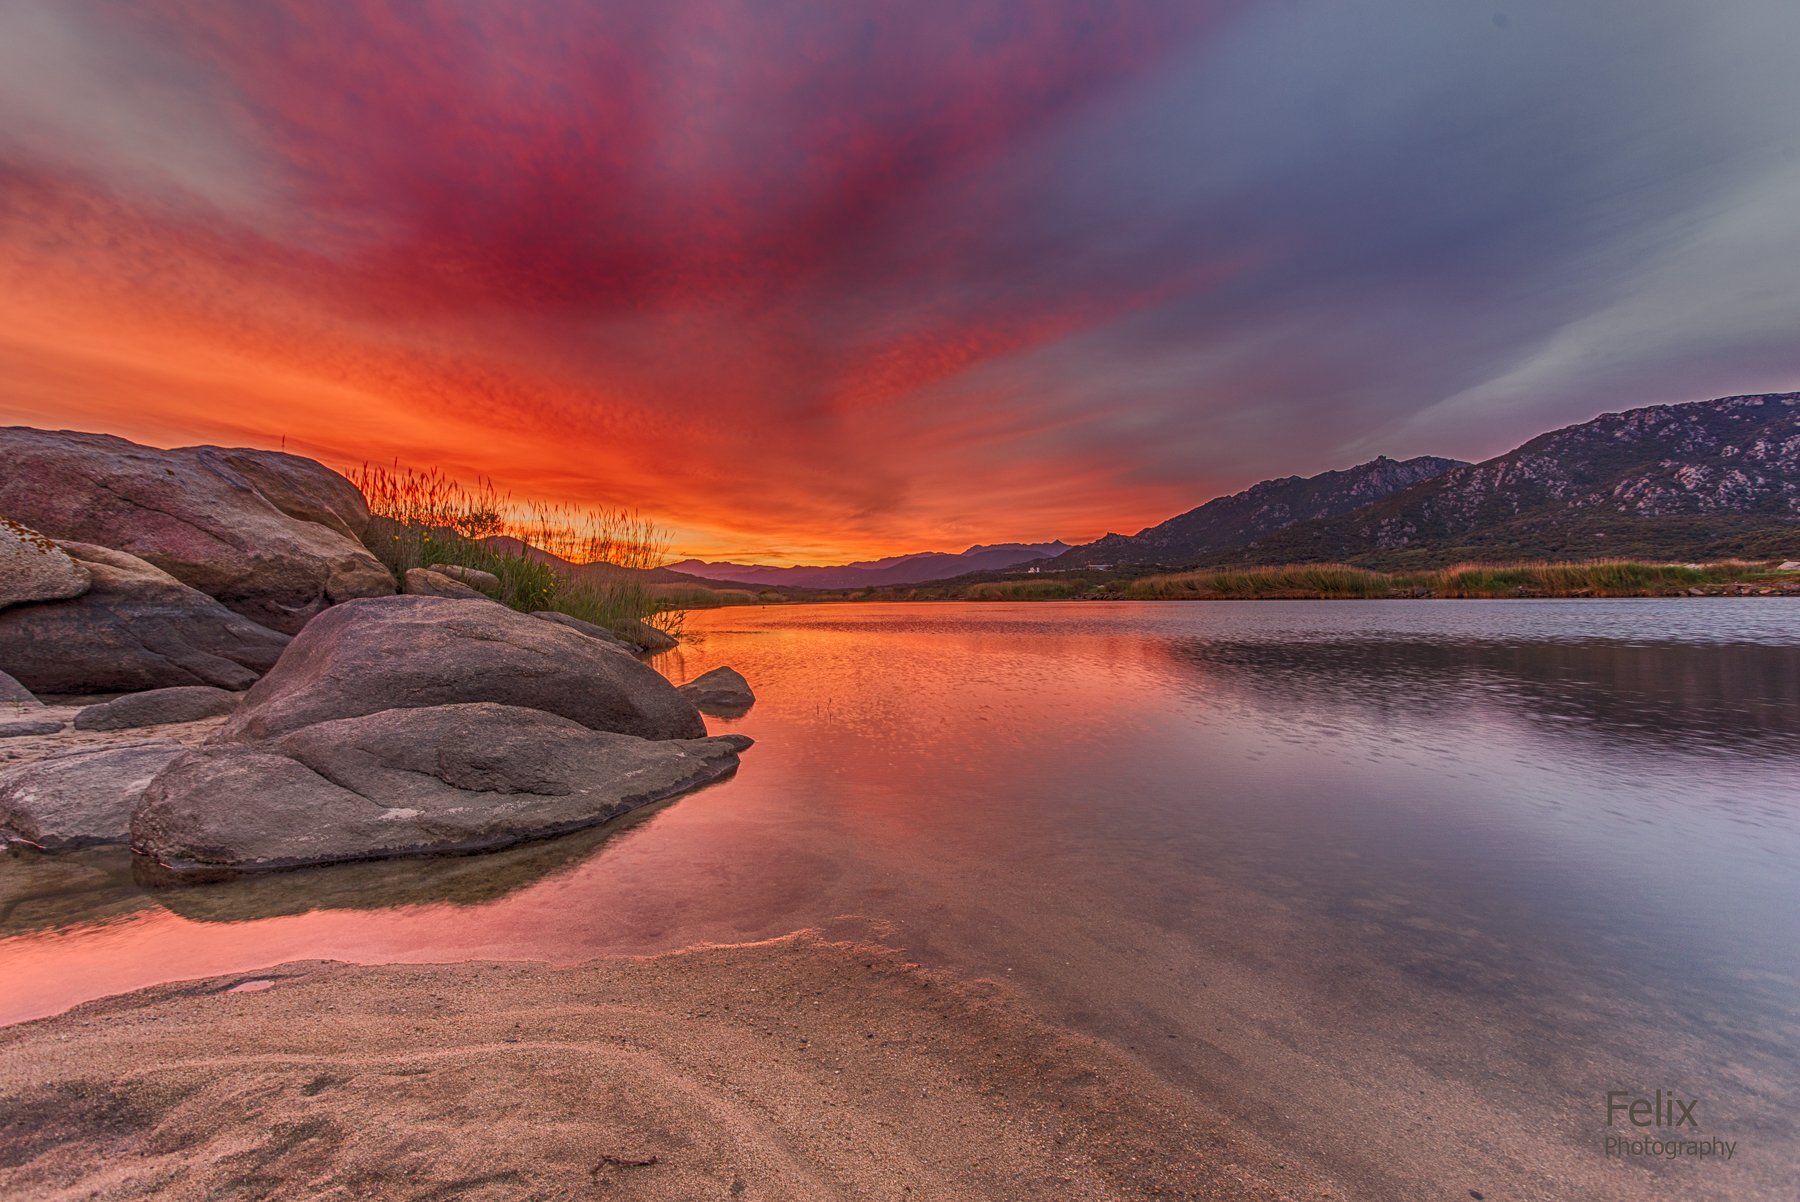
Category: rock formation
[273,537]
[158,707]
[136,627]
[423,582]
[606,637]
[475,578]
[722,692]
[410,781]
[433,721]
[34,568]
[382,653]
[79,797]
[15,698]
[647,637]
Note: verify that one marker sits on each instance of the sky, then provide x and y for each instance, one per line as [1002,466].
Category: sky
[813,282]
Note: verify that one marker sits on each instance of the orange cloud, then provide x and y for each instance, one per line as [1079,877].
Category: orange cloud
[721,262]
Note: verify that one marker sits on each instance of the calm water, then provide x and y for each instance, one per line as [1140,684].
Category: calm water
[1408,885]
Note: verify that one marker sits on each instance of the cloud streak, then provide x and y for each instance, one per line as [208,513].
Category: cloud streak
[823,282]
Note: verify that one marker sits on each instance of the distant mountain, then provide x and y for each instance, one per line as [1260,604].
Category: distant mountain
[1229,522]
[1704,480]
[896,569]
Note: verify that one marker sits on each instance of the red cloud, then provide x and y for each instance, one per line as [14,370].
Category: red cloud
[708,258]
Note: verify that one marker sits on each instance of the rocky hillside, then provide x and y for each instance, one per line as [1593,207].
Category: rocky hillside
[895,569]
[1260,510]
[1703,480]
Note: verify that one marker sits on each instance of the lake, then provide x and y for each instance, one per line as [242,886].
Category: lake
[1407,886]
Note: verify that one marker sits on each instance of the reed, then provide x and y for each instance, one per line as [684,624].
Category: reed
[587,562]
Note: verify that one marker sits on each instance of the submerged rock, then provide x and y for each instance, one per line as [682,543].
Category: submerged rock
[722,692]
[401,652]
[475,578]
[137,627]
[158,707]
[413,781]
[34,568]
[605,636]
[428,582]
[75,798]
[274,537]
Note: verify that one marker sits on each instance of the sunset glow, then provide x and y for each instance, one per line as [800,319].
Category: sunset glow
[813,283]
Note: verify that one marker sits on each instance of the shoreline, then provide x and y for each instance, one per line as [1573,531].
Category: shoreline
[1533,580]
[1791,593]
[796,1067]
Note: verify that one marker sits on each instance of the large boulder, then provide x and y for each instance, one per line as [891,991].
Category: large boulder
[136,628]
[606,637]
[158,707]
[80,797]
[304,489]
[447,778]
[34,568]
[423,582]
[722,692]
[274,537]
[387,652]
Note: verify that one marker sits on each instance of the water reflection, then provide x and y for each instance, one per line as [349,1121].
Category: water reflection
[56,890]
[1732,698]
[1288,852]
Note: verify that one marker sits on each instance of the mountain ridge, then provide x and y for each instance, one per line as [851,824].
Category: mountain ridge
[1695,480]
[1265,507]
[919,567]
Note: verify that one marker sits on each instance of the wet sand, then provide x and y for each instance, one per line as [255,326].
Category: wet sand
[798,1068]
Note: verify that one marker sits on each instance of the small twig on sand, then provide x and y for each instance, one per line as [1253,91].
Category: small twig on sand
[622,1162]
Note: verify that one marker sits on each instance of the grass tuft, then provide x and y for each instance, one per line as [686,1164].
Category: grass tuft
[589,563]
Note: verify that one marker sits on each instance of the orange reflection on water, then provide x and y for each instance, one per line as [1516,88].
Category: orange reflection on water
[1005,781]
[853,784]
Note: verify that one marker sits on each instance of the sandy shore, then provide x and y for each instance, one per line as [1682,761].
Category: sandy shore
[792,1069]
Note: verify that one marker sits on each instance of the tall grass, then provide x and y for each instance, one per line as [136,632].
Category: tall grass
[1020,590]
[422,518]
[1326,581]
[1616,578]
[1604,578]
[609,550]
[584,562]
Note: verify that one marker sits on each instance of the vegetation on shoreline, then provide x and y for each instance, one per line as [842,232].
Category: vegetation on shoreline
[600,565]
[551,557]
[1327,582]
[1601,578]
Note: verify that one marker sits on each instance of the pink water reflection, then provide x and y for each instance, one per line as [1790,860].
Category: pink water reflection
[796,838]
[1003,782]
